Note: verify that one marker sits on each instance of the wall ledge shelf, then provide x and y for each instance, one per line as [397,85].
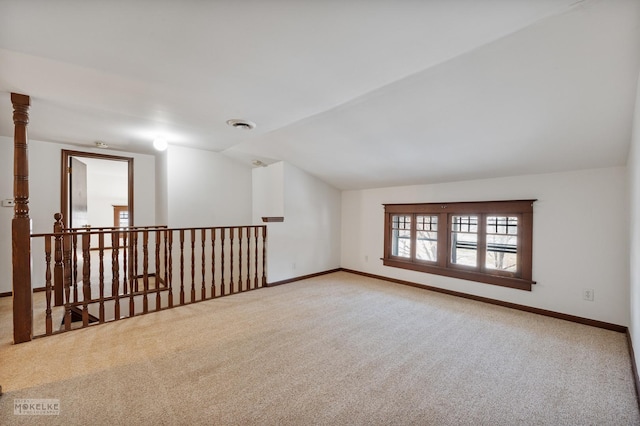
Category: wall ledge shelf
[273,218]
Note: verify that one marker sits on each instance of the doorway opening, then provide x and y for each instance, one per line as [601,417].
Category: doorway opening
[94,188]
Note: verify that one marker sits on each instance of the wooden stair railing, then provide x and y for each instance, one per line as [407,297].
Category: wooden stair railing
[217,261]
[61,249]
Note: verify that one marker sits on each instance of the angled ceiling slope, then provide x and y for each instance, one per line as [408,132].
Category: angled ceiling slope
[360,94]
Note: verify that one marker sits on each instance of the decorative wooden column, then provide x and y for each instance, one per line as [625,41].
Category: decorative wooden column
[21,224]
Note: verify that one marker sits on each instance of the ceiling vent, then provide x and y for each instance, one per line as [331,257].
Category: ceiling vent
[241,124]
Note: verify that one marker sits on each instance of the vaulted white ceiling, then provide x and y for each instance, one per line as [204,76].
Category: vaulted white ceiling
[359,93]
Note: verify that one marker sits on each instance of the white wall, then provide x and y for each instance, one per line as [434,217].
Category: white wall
[105,189]
[6,213]
[268,191]
[634,232]
[308,241]
[579,238]
[162,200]
[44,193]
[205,189]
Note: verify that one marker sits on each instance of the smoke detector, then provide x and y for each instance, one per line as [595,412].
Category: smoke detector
[100,144]
[241,124]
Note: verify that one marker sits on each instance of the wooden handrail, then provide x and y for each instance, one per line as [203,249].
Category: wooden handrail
[95,231]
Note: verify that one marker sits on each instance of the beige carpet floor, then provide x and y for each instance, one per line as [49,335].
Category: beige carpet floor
[338,349]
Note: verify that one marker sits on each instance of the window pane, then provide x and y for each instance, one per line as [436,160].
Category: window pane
[401,236]
[427,238]
[464,240]
[123,218]
[502,243]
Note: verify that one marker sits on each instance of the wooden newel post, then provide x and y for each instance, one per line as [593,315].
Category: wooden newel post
[21,224]
[58,274]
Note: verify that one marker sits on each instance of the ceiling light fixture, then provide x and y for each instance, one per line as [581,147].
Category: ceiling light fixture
[100,144]
[258,163]
[241,124]
[160,144]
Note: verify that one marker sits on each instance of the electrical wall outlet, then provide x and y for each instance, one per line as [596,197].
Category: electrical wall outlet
[587,294]
[9,202]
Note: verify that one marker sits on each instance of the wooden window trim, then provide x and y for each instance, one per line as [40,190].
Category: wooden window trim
[523,209]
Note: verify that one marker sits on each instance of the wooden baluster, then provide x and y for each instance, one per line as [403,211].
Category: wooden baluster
[255,233]
[86,278]
[75,267]
[58,274]
[165,269]
[193,265]
[115,270]
[66,265]
[158,235]
[222,232]
[248,258]
[125,280]
[203,290]
[213,262]
[231,283]
[264,256]
[47,259]
[240,259]
[182,266]
[127,271]
[21,224]
[145,270]
[134,273]
[101,284]
[170,267]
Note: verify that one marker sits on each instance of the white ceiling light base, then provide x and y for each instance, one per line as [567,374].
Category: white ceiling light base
[160,144]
